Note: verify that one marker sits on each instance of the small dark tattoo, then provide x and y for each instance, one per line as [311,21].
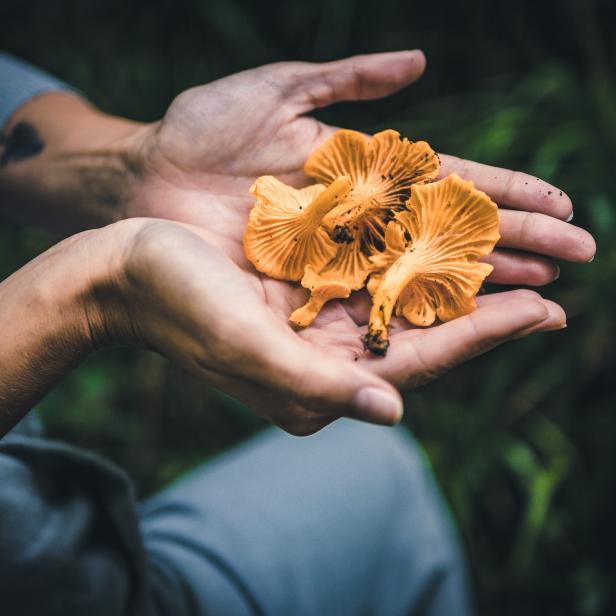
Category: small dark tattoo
[23,142]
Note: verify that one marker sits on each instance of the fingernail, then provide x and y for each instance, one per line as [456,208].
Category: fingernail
[554,328]
[570,217]
[557,272]
[376,405]
[591,259]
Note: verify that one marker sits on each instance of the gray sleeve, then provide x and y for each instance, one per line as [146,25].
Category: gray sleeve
[19,82]
[69,535]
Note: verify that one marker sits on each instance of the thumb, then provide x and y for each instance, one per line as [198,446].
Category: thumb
[326,385]
[362,77]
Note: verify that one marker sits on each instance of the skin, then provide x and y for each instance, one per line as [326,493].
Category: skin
[186,290]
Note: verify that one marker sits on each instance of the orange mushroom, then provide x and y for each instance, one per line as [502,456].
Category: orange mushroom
[321,291]
[346,272]
[284,232]
[429,267]
[382,169]
[420,246]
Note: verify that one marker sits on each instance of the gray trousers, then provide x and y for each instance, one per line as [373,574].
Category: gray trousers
[348,521]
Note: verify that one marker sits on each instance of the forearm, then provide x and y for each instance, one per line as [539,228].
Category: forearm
[66,166]
[49,322]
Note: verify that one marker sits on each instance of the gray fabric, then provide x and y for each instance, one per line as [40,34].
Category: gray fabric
[347,521]
[68,531]
[19,82]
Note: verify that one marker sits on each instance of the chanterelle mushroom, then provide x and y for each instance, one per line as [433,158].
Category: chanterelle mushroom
[284,232]
[382,169]
[429,268]
[421,251]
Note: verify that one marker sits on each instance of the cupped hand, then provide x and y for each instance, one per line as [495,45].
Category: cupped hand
[181,294]
[199,162]
[215,140]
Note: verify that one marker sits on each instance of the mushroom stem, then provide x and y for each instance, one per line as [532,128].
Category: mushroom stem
[396,278]
[346,215]
[321,291]
[306,314]
[331,197]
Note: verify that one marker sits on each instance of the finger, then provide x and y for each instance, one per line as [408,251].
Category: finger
[511,267]
[505,296]
[514,189]
[556,319]
[327,385]
[362,77]
[544,235]
[418,356]
[361,308]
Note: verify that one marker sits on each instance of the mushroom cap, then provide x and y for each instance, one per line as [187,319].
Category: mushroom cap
[284,233]
[429,268]
[384,162]
[382,169]
[350,265]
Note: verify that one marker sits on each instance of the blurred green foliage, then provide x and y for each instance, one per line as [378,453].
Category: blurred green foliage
[523,439]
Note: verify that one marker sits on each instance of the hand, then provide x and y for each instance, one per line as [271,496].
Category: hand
[180,294]
[164,286]
[216,139]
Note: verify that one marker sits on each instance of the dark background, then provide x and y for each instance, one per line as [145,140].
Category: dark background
[523,440]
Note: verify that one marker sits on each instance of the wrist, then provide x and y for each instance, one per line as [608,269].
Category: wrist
[81,289]
[55,312]
[44,334]
[108,296]
[67,166]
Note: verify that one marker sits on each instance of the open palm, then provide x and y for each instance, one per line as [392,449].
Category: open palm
[215,140]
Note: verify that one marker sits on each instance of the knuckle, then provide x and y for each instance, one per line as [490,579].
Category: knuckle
[527,226]
[511,182]
[533,310]
[356,78]
[542,273]
[526,294]
[280,77]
